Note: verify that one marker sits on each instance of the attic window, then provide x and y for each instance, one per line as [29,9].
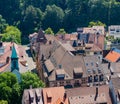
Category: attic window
[112,29]
[91,63]
[49,96]
[78,72]
[89,71]
[60,74]
[86,64]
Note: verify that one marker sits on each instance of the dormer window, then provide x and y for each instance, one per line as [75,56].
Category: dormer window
[60,74]
[101,77]
[86,64]
[31,96]
[49,96]
[90,79]
[78,72]
[96,78]
[91,63]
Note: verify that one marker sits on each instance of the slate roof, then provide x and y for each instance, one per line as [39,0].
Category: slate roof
[115,67]
[41,36]
[106,69]
[49,65]
[116,83]
[93,65]
[93,48]
[32,93]
[86,95]
[67,60]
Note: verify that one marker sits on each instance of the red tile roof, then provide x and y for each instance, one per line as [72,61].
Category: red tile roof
[56,93]
[112,56]
[7,53]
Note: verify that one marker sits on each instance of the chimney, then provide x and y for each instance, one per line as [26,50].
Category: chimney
[1,44]
[65,96]
[7,60]
[109,65]
[96,95]
[30,86]
[60,66]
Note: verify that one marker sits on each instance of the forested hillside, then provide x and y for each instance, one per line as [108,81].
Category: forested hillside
[30,15]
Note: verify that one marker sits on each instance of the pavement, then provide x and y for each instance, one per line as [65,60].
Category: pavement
[31,64]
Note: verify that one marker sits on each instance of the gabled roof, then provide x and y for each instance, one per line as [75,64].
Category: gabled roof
[41,36]
[56,94]
[36,93]
[86,95]
[75,44]
[67,60]
[112,56]
[49,65]
[14,53]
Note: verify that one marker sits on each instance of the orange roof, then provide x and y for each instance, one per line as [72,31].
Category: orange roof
[112,56]
[73,37]
[57,94]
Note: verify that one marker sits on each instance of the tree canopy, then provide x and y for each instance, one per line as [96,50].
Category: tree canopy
[97,23]
[11,33]
[61,31]
[3,102]
[9,88]
[49,31]
[29,15]
[11,91]
[3,24]
[28,79]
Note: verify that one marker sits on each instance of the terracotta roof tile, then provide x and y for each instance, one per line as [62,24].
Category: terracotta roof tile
[57,94]
[112,56]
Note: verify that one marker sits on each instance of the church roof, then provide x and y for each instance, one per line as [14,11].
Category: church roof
[41,36]
[14,53]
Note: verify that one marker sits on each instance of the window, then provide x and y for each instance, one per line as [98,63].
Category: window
[76,81]
[96,78]
[67,82]
[90,79]
[83,80]
[86,64]
[61,83]
[91,63]
[55,84]
[89,71]
[14,64]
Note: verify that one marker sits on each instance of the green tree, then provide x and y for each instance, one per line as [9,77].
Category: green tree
[3,24]
[61,31]
[12,33]
[97,23]
[30,78]
[11,90]
[3,102]
[49,31]
[53,17]
[10,10]
[7,88]
[32,20]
